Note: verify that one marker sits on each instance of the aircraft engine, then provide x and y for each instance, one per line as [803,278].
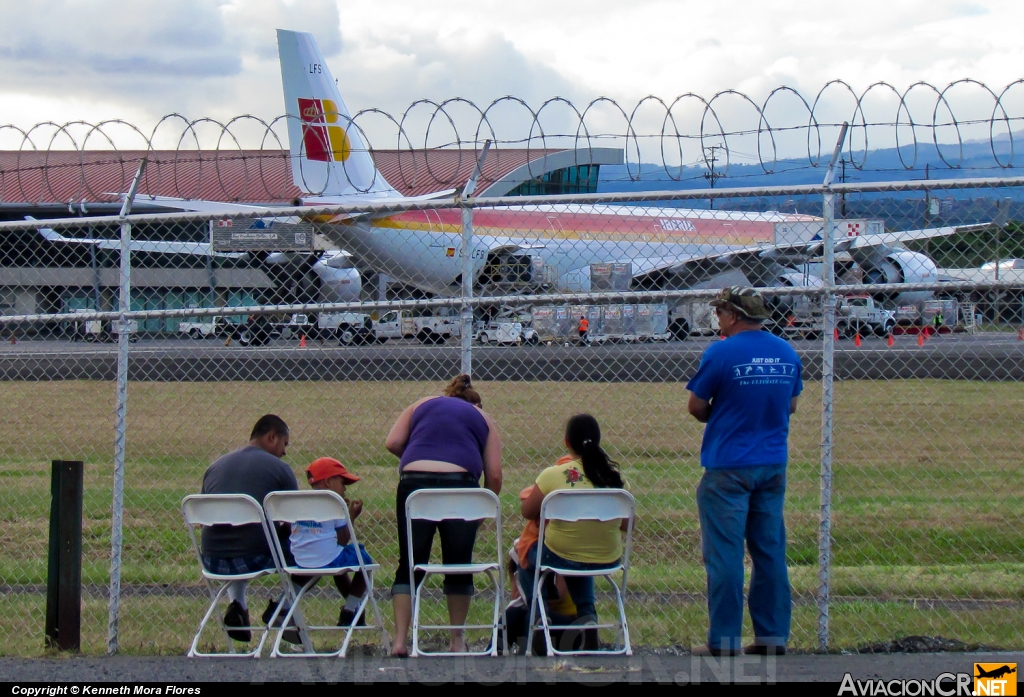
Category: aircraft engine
[902,266]
[797,304]
[338,285]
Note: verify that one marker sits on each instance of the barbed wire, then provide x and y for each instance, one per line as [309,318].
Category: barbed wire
[245,158]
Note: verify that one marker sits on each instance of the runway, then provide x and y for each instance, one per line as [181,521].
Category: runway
[991,357]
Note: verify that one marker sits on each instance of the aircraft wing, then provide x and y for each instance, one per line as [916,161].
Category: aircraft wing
[196,205]
[226,208]
[890,238]
[158,246]
[757,261]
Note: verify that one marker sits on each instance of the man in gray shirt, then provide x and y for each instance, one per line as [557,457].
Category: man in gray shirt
[256,470]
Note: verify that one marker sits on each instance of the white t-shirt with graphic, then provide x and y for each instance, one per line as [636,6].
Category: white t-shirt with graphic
[315,545]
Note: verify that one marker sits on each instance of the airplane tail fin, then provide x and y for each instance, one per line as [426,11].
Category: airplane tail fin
[328,155]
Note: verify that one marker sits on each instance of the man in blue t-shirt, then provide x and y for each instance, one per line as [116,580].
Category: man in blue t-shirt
[745,390]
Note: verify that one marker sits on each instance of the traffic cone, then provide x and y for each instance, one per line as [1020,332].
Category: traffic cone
[302,341]
[889,341]
[1020,335]
[920,338]
[835,334]
[856,340]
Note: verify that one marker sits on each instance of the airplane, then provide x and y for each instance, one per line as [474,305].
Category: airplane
[995,672]
[552,246]
[337,278]
[535,248]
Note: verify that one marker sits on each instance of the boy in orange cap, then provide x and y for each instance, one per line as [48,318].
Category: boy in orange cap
[327,544]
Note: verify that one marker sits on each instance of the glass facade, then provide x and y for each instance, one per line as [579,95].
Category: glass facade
[581,179]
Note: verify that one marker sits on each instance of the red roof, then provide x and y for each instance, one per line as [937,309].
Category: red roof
[247,176]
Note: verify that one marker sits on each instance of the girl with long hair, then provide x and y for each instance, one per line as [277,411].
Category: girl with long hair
[585,544]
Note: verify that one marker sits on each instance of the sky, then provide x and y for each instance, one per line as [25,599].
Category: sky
[75,60]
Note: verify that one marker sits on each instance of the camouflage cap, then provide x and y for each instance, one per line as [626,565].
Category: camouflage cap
[744,301]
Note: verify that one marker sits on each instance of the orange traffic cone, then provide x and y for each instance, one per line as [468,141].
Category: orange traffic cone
[835,334]
[302,341]
[856,340]
[889,341]
[1020,335]
[920,338]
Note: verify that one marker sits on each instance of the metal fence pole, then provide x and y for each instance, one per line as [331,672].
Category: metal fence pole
[467,290]
[827,374]
[467,263]
[121,412]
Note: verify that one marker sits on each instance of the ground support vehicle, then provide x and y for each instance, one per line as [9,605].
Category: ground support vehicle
[692,317]
[432,330]
[207,327]
[504,332]
[861,314]
[607,323]
[298,325]
[427,329]
[956,316]
[256,331]
[350,328]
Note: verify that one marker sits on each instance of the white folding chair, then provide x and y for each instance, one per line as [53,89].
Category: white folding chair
[573,506]
[454,504]
[319,506]
[225,509]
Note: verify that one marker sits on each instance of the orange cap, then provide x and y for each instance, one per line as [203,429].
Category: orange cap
[327,467]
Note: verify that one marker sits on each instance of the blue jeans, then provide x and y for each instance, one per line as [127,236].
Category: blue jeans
[745,502]
[581,588]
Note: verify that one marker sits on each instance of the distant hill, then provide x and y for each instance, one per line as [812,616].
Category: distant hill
[900,210]
[976,160]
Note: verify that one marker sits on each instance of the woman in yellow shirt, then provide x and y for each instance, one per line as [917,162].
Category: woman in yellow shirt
[586,544]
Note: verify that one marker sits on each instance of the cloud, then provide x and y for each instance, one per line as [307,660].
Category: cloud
[146,56]
[218,58]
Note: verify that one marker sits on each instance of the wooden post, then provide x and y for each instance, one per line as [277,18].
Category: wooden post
[64,564]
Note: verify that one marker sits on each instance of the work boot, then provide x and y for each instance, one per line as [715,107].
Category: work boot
[346,617]
[289,635]
[237,616]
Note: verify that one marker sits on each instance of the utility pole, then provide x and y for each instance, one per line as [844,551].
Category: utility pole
[711,175]
[927,209]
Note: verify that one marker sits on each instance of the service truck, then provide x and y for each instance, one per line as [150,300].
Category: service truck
[504,331]
[861,314]
[350,328]
[203,327]
[428,329]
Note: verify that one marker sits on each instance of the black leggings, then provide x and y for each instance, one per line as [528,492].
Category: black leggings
[457,536]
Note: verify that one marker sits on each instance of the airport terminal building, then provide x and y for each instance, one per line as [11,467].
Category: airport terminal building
[42,276]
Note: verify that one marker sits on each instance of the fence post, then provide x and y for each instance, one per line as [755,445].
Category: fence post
[121,412]
[467,290]
[64,567]
[827,374]
[467,262]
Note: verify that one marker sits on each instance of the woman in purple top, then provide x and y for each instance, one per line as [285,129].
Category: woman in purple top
[441,442]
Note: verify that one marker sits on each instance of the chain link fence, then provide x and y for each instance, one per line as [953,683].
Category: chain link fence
[147,346]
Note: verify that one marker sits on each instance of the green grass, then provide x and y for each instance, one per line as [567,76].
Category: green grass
[926,494]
